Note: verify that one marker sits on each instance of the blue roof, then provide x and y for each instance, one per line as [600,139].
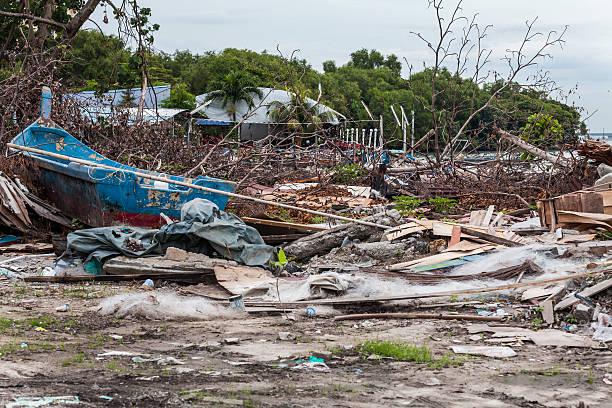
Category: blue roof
[209,122]
[154,96]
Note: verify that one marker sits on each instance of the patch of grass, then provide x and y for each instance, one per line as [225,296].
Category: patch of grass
[96,342]
[44,321]
[9,348]
[397,350]
[409,352]
[317,220]
[447,360]
[6,324]
[76,359]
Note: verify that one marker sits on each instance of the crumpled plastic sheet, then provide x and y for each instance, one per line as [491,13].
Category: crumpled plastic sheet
[603,328]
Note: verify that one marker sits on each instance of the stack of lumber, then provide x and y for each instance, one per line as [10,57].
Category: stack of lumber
[581,210]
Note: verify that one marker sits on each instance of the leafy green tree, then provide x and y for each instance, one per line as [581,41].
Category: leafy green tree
[329,66]
[301,114]
[235,87]
[180,98]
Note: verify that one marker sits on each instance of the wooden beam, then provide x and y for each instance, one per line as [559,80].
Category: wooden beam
[489,237]
[184,276]
[419,316]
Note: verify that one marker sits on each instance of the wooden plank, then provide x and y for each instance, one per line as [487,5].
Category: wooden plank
[401,231]
[455,236]
[591,202]
[497,219]
[290,225]
[277,239]
[588,292]
[183,276]
[418,316]
[487,218]
[489,237]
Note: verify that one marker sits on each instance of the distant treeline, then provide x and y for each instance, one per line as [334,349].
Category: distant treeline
[98,62]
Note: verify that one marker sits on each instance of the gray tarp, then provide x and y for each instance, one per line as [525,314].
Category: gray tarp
[203,229]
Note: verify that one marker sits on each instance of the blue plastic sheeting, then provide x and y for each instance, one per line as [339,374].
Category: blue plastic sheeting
[208,122]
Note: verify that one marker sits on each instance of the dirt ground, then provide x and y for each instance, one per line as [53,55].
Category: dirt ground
[48,353]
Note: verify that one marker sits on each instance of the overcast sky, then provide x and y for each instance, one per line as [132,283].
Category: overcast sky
[332,29]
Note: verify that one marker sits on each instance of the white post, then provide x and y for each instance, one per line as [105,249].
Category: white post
[375,144]
[404,120]
[412,135]
[370,139]
[363,132]
[395,116]
[381,132]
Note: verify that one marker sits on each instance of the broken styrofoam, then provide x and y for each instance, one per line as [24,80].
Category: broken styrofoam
[489,351]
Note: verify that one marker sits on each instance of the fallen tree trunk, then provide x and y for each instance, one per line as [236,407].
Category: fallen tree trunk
[531,149]
[324,241]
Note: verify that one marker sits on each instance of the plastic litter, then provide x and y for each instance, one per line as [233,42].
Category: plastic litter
[148,285]
[286,336]
[10,274]
[489,351]
[310,312]
[28,402]
[314,359]
[311,365]
[138,359]
[603,328]
[63,308]
[237,303]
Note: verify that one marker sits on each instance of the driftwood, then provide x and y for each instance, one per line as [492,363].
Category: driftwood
[531,149]
[601,152]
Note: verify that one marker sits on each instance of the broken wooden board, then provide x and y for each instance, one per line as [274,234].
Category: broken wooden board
[542,291]
[175,277]
[239,280]
[455,236]
[546,337]
[573,217]
[401,231]
[571,300]
[445,229]
[548,313]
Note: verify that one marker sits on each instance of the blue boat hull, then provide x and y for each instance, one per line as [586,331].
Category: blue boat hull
[100,197]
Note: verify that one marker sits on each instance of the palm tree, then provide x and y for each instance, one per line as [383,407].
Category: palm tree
[300,114]
[235,87]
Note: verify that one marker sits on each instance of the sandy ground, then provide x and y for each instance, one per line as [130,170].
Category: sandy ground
[195,366]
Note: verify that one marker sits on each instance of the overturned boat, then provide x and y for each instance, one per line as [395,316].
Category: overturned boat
[105,196]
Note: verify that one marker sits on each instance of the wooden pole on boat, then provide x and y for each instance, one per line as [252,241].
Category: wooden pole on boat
[194,186]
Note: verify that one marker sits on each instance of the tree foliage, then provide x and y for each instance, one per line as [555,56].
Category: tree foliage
[368,76]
